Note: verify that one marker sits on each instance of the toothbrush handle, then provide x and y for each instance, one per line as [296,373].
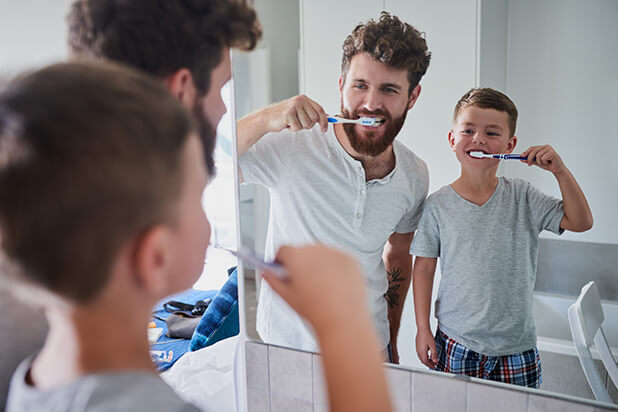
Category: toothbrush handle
[247,256]
[510,156]
[333,119]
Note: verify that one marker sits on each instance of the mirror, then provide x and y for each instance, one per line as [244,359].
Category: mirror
[555,60]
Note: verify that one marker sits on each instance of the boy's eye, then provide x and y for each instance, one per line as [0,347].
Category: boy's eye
[493,134]
[467,131]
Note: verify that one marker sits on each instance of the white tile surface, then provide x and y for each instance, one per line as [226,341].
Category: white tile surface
[433,392]
[291,379]
[258,387]
[487,398]
[400,387]
[258,400]
[604,410]
[320,392]
[286,404]
[539,403]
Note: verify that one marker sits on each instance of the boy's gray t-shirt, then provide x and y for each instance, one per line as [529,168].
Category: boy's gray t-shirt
[133,391]
[488,261]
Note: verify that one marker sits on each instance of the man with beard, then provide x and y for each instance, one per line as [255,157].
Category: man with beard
[184,43]
[350,186]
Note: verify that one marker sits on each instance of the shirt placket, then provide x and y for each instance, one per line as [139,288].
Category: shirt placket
[361,198]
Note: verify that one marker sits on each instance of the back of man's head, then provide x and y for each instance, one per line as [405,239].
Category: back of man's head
[90,156]
[162,36]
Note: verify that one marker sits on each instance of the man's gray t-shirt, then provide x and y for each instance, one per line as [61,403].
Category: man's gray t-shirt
[319,193]
[488,261]
[133,391]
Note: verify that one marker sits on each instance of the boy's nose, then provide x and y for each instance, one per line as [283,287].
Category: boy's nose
[478,138]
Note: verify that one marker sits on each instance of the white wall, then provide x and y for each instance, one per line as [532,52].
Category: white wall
[562,74]
[32,33]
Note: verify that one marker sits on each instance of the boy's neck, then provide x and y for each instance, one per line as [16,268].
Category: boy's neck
[89,339]
[476,186]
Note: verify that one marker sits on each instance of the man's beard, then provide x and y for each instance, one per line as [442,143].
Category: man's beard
[208,136]
[367,143]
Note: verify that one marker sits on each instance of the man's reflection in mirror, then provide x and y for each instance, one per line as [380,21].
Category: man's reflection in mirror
[351,186]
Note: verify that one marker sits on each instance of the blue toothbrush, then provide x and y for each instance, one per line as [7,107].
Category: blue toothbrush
[501,156]
[364,120]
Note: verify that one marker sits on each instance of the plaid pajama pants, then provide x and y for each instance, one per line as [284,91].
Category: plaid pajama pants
[522,369]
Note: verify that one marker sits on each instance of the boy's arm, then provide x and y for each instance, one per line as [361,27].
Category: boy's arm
[422,284]
[295,113]
[577,215]
[351,357]
[398,263]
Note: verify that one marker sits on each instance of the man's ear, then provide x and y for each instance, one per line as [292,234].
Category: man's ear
[152,259]
[511,144]
[414,96]
[340,84]
[451,140]
[181,85]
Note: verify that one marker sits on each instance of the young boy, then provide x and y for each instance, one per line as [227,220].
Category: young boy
[485,231]
[101,178]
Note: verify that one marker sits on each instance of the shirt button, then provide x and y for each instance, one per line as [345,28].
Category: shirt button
[363,192]
[359,215]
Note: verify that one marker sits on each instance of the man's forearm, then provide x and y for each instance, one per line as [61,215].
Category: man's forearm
[249,130]
[398,263]
[399,277]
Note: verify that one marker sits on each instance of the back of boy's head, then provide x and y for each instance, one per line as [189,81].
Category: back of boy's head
[487,98]
[90,157]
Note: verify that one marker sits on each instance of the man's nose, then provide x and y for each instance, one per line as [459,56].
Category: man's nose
[372,100]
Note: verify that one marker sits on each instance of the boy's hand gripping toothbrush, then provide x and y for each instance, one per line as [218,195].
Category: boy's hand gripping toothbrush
[363,120]
[251,260]
[501,156]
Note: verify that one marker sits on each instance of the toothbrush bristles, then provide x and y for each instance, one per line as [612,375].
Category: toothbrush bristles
[371,121]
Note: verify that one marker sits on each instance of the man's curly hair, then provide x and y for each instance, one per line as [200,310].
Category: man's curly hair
[162,36]
[390,41]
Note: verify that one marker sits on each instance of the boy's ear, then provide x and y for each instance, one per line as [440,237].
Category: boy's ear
[181,85]
[511,144]
[152,260]
[451,140]
[416,92]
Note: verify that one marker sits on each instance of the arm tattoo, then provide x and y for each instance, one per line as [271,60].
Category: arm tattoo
[392,294]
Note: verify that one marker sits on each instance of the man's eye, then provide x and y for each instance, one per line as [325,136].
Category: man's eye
[390,90]
[360,86]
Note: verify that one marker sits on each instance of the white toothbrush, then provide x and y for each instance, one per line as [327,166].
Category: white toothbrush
[364,120]
[502,156]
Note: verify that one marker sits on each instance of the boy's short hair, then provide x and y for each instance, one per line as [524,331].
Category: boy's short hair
[162,36]
[90,156]
[392,42]
[487,98]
